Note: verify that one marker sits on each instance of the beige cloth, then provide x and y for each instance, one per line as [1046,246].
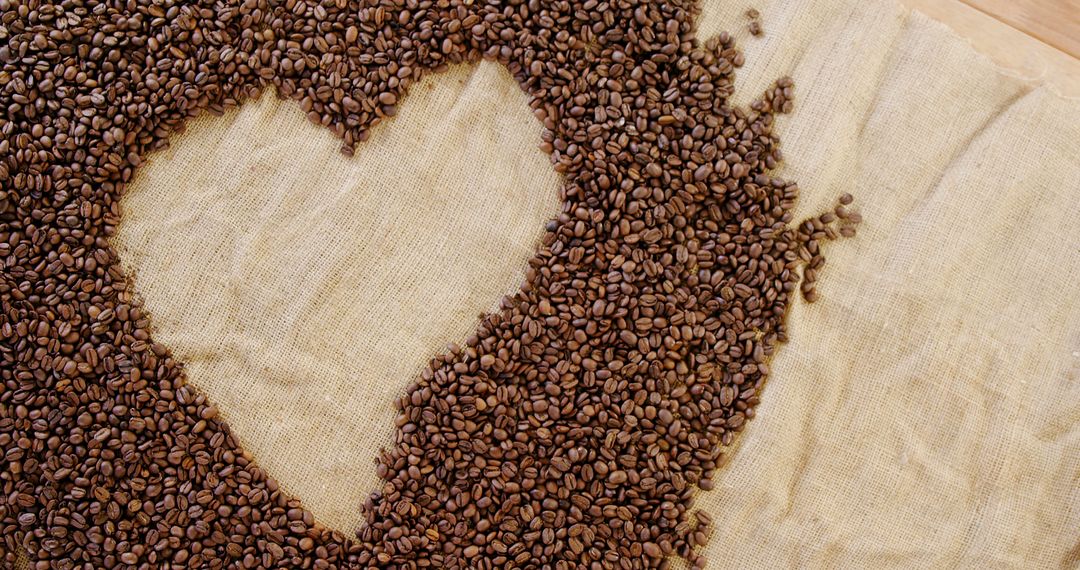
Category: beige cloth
[925,414]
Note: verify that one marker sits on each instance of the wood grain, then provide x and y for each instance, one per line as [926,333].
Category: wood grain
[1055,22]
[1007,46]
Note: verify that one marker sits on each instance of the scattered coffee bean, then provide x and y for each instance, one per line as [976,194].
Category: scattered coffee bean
[755,21]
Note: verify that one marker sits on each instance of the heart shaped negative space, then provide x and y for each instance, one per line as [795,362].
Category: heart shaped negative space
[301,288]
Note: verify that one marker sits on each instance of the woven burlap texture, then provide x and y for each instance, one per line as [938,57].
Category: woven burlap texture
[925,414]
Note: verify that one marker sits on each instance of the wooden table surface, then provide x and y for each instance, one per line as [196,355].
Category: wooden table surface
[1033,38]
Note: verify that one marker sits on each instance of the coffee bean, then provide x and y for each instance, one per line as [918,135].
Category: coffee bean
[755,21]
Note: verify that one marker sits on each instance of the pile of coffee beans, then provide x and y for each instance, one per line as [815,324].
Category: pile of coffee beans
[574,427]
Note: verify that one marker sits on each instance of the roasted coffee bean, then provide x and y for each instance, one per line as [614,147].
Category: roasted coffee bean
[570,431]
[755,21]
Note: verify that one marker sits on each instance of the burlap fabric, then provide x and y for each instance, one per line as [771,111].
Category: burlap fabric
[925,414]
